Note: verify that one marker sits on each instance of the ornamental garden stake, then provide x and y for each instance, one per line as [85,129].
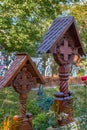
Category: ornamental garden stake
[63,41]
[22,75]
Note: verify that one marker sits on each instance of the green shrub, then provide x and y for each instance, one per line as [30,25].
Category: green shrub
[32,107]
[81,72]
[39,107]
[45,102]
[41,121]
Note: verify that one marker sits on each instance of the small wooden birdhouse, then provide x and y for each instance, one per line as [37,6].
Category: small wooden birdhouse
[62,40]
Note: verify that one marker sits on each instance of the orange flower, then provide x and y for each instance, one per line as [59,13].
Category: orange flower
[5,122]
[15,118]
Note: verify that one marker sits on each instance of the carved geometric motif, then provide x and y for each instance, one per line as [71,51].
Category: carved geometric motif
[24,81]
[65,50]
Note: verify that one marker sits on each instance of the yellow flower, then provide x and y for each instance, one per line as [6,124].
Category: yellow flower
[8,122]
[5,123]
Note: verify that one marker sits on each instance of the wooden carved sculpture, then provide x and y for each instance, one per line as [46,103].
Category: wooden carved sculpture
[65,52]
[23,84]
[22,75]
[63,41]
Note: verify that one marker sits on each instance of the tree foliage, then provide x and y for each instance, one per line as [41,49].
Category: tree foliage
[23,23]
[79,11]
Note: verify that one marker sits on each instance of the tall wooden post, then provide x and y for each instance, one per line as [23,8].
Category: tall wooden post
[63,41]
[22,84]
[64,98]
[22,75]
[64,57]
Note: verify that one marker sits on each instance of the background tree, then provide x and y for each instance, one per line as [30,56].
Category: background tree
[24,23]
[79,11]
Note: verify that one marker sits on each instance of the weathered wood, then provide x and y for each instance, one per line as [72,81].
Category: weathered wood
[22,75]
[64,57]
[55,33]
[63,41]
[64,98]
[16,66]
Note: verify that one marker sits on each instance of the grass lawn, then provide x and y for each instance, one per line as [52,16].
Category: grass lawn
[9,105]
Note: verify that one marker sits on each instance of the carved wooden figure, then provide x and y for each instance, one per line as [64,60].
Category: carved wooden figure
[63,41]
[22,75]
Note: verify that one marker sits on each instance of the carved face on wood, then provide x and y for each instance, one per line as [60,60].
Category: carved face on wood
[65,50]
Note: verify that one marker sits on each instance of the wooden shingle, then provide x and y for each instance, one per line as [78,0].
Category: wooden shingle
[20,61]
[59,27]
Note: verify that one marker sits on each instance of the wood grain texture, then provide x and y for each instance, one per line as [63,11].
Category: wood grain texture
[57,30]
[20,61]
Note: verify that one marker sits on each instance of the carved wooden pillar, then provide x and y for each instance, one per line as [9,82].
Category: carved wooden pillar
[63,41]
[22,84]
[64,57]
[23,98]
[63,78]
[64,98]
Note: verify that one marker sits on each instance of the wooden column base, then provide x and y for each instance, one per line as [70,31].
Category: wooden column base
[64,105]
[25,123]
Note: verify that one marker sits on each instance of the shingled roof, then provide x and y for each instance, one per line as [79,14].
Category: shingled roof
[19,62]
[59,27]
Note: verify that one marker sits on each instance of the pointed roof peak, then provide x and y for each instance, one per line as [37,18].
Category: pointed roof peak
[20,61]
[57,30]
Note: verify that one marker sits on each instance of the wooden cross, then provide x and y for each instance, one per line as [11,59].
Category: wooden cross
[65,50]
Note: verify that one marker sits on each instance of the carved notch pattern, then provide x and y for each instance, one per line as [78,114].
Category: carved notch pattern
[24,81]
[65,50]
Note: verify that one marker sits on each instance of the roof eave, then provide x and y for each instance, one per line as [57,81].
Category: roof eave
[62,33]
[79,39]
